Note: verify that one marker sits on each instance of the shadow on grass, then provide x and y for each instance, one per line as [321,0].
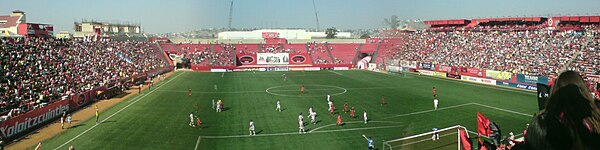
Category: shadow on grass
[78,125]
[226,109]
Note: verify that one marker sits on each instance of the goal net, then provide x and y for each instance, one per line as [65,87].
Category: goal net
[449,138]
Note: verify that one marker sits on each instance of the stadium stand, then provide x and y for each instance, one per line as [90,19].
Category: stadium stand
[247,48]
[296,48]
[319,53]
[343,53]
[222,55]
[536,53]
[37,72]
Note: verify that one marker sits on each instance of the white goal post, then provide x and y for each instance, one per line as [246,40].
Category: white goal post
[457,128]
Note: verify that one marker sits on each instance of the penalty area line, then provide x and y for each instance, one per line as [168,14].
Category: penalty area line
[296,133]
[198,142]
[431,110]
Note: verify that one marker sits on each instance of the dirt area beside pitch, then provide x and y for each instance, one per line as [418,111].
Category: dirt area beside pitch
[81,115]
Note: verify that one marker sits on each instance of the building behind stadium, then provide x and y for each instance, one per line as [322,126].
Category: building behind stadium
[16,25]
[114,31]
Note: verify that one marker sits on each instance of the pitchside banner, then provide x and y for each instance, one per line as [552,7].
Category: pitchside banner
[445,69]
[394,69]
[273,58]
[472,72]
[500,75]
[427,65]
[16,125]
[247,59]
[409,64]
[532,79]
[516,85]
[479,80]
[300,59]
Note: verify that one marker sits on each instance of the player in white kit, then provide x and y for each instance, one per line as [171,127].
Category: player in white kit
[330,103]
[278,106]
[313,116]
[435,103]
[191,119]
[365,116]
[301,127]
[328,98]
[251,128]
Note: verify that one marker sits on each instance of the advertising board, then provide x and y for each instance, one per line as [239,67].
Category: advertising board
[273,58]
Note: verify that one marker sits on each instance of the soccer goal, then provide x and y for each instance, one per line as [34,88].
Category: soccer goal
[449,138]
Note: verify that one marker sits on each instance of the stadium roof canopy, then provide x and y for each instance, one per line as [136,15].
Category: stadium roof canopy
[577,18]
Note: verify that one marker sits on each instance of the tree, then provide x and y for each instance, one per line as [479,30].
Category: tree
[364,36]
[331,32]
[393,22]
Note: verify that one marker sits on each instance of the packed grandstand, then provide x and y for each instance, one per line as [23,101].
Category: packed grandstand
[36,72]
[532,46]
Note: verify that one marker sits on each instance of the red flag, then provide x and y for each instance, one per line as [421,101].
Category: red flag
[464,140]
[483,127]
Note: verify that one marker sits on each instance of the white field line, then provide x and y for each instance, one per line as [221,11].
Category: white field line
[197,142]
[138,99]
[347,123]
[469,131]
[296,133]
[426,111]
[335,72]
[263,91]
[506,110]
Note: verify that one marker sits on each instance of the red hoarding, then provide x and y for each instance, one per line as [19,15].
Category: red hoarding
[13,126]
[472,72]
[300,59]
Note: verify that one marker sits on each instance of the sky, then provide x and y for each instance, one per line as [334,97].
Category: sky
[161,16]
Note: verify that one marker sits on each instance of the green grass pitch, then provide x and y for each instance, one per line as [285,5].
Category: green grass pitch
[158,118]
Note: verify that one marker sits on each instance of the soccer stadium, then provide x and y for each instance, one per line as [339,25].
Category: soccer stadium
[505,82]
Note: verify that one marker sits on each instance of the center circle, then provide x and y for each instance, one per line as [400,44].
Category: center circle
[310,90]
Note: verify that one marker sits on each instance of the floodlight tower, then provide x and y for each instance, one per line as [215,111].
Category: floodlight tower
[230,14]
[316,16]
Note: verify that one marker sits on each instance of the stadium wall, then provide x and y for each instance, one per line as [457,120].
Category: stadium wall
[477,75]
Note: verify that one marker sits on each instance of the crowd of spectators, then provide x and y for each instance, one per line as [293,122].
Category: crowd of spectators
[531,53]
[223,55]
[197,55]
[38,71]
[320,51]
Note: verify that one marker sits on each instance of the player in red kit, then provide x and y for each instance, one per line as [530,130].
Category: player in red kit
[189,92]
[346,107]
[302,89]
[434,91]
[339,120]
[352,111]
[332,109]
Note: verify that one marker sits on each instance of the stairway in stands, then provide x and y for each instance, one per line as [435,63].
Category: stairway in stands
[308,51]
[329,52]
[343,52]
[355,59]
[376,51]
